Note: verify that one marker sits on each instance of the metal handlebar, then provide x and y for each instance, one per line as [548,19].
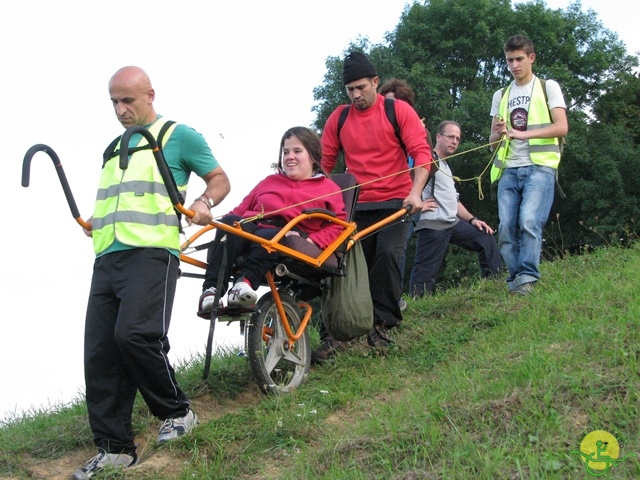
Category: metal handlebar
[167,177]
[26,165]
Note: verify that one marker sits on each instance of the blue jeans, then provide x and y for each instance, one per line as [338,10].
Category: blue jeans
[525,196]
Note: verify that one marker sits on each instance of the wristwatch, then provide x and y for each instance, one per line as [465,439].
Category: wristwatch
[208,200]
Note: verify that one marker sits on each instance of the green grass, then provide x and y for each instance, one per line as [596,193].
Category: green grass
[479,385]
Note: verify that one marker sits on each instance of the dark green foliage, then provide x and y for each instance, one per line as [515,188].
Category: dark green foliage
[450,52]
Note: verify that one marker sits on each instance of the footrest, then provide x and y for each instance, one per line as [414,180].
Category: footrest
[227,312]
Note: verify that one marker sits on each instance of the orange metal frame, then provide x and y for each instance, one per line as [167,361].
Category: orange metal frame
[271,245]
[274,245]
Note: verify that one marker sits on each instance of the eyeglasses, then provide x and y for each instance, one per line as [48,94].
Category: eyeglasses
[451,137]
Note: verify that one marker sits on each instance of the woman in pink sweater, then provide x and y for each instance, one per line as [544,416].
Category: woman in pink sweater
[300,184]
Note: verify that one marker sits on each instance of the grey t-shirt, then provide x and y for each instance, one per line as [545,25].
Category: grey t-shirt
[442,188]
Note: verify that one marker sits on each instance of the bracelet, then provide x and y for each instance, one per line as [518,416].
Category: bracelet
[472,219]
[208,201]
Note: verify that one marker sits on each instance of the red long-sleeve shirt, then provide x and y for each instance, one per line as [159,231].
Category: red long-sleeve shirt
[372,150]
[288,198]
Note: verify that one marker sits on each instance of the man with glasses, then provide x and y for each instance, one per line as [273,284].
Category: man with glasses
[445,220]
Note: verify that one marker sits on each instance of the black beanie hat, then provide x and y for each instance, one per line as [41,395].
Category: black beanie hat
[357,66]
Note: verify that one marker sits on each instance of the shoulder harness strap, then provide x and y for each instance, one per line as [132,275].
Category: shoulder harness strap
[111,151]
[161,135]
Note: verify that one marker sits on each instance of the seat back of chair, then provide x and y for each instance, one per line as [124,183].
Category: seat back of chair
[350,189]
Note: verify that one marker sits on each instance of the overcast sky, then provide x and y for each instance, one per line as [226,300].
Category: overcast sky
[240,74]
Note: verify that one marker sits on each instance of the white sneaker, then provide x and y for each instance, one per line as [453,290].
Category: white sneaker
[241,295]
[176,427]
[102,460]
[206,299]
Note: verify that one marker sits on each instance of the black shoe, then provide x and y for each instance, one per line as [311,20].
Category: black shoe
[379,336]
[327,351]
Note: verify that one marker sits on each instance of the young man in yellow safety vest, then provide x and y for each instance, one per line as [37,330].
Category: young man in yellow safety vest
[529,116]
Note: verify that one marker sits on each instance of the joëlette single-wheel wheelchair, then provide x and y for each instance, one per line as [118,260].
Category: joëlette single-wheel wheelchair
[275,330]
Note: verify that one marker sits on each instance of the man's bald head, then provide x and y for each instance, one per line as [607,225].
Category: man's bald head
[132,96]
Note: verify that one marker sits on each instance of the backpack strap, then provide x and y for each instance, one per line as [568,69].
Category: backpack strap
[561,140]
[390,110]
[343,118]
[163,132]
[110,150]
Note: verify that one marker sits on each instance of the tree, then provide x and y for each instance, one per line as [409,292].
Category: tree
[622,104]
[450,51]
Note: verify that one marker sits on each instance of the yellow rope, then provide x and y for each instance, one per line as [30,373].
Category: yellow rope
[478,178]
[263,214]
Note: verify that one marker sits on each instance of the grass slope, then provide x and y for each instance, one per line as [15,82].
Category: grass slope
[479,385]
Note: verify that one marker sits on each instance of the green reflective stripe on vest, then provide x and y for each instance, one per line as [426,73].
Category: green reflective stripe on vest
[133,205]
[542,151]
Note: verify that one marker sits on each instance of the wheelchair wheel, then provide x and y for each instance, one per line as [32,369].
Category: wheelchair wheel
[276,364]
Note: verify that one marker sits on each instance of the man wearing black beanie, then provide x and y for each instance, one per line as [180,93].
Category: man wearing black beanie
[375,156]
[357,66]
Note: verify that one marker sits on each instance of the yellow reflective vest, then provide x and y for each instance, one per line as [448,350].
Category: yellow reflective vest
[543,151]
[133,205]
